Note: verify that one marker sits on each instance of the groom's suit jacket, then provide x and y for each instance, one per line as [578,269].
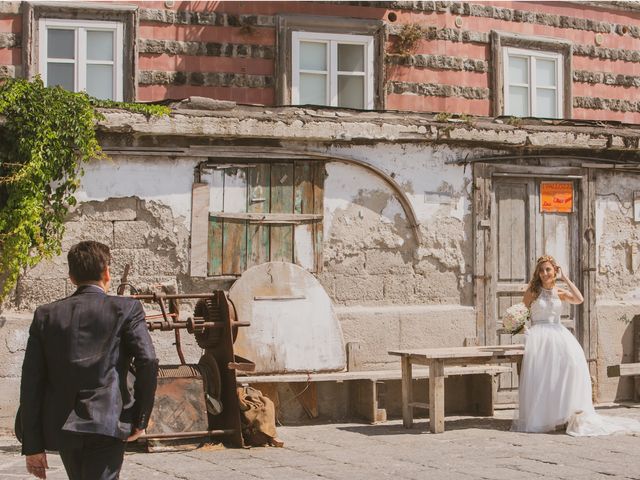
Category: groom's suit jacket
[76,367]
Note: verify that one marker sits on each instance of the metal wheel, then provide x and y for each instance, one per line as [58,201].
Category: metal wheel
[209,309]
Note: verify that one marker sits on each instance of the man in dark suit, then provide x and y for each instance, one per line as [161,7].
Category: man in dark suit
[74,395]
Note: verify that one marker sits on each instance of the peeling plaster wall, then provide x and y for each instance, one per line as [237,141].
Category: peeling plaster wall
[617,278]
[385,285]
[140,208]
[389,292]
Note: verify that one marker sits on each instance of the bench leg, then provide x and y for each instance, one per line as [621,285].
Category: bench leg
[407,393]
[365,401]
[485,389]
[436,396]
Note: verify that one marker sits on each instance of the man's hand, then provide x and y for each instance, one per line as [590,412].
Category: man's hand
[37,465]
[137,433]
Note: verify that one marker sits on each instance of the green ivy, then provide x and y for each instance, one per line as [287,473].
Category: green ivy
[48,133]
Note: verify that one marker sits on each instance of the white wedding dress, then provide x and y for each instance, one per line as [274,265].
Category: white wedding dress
[555,385]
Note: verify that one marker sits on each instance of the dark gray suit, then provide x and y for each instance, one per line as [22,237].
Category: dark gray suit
[74,394]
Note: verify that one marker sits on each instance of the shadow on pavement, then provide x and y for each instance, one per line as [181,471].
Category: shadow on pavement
[10,448]
[422,427]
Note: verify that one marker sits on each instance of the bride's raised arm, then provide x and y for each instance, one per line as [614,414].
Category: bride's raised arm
[572,295]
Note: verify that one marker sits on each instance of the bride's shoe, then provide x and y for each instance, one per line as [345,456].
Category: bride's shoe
[561,428]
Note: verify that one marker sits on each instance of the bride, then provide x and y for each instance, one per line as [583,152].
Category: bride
[555,385]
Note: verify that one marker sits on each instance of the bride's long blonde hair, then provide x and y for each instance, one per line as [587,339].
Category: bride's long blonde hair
[536,284]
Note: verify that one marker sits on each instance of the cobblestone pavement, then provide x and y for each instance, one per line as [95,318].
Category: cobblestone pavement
[471,448]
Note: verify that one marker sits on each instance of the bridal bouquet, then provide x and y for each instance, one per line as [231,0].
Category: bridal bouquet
[515,318]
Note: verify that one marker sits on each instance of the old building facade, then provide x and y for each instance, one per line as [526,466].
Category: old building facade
[402,152]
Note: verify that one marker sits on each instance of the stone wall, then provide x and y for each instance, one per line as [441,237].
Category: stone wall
[618,278]
[389,291]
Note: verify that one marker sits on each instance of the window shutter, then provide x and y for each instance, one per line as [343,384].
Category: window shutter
[290,197]
[282,202]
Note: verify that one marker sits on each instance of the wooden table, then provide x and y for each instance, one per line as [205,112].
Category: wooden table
[437,359]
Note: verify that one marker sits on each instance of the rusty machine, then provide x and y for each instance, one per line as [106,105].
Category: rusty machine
[195,402]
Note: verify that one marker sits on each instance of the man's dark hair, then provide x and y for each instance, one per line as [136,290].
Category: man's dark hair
[87,261]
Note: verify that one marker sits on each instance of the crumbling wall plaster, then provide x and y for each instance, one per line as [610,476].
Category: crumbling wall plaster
[370,254]
[617,237]
[615,346]
[161,179]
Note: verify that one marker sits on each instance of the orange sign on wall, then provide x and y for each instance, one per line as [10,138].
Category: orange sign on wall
[556,197]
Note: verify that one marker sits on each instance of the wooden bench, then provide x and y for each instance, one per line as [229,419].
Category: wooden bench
[365,397]
[623,370]
[441,359]
[627,370]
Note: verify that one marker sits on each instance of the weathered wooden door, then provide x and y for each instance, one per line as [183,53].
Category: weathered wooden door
[516,232]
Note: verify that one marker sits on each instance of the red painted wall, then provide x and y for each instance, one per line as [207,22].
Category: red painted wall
[11,23]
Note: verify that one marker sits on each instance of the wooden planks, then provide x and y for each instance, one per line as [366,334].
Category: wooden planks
[265,212]
[281,246]
[407,392]
[437,359]
[258,236]
[374,375]
[234,232]
[466,353]
[319,175]
[216,202]
[623,370]
[436,396]
[199,229]
[303,204]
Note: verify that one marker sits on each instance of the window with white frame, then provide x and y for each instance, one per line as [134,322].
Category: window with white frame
[533,83]
[332,69]
[82,56]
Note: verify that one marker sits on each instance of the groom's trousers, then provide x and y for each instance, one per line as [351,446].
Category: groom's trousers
[92,457]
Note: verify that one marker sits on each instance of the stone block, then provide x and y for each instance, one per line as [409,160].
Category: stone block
[436,326]
[130,234]
[437,287]
[31,292]
[342,263]
[121,257]
[54,268]
[381,262]
[377,329]
[359,288]
[615,346]
[112,209]
[9,400]
[150,284]
[14,331]
[164,344]
[327,280]
[78,231]
[399,288]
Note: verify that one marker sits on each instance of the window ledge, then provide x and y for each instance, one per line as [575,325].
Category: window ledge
[110,7]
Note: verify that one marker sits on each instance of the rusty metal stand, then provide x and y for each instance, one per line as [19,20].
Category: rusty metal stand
[196,403]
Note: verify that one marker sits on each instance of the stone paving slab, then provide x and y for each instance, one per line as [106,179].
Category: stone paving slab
[472,448]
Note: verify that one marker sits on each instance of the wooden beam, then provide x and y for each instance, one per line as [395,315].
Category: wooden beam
[253,217]
[407,392]
[436,396]
[199,229]
[623,370]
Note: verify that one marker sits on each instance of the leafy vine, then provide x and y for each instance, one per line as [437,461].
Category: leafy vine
[46,136]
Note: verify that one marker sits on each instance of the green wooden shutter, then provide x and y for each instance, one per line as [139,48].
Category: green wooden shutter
[239,237]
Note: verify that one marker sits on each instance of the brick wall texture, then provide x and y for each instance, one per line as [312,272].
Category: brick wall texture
[227,50]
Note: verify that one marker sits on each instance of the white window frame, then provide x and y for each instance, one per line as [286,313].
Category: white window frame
[531,56]
[80,28]
[332,41]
